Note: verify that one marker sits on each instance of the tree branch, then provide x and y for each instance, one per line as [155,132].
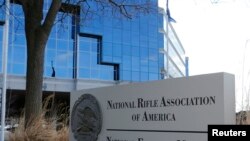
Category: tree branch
[123,8]
[51,15]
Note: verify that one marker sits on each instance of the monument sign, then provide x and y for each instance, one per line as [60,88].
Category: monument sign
[167,110]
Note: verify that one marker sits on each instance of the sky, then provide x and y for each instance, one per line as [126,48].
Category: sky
[216,37]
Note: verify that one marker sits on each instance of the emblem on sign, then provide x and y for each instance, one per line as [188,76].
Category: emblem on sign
[86,118]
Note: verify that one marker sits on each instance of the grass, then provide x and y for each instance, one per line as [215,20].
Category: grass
[45,127]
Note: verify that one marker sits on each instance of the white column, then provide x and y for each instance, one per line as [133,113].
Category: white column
[166,42]
[4,65]
[166,48]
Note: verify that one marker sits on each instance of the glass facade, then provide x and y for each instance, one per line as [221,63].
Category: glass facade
[132,45]
[172,51]
[2,14]
[102,48]
[176,54]
[60,49]
[1,44]
[88,58]
[17,43]
[2,11]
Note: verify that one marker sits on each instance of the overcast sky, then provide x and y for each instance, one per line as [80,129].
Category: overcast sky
[215,36]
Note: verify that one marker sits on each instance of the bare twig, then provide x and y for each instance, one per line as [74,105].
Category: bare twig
[127,9]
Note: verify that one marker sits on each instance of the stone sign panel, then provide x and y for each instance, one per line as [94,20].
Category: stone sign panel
[166,110]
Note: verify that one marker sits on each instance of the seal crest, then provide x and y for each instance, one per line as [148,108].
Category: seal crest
[86,118]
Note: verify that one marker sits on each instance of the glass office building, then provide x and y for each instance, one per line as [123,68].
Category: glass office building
[103,48]
[94,52]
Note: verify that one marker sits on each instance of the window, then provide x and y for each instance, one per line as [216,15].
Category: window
[126,61]
[2,11]
[117,50]
[135,76]
[59,49]
[17,42]
[135,64]
[126,75]
[1,43]
[91,57]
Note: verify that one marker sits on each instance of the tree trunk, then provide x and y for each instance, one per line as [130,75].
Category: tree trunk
[34,81]
[35,59]
[37,33]
[36,41]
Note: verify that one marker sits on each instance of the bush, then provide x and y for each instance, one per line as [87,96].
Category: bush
[45,127]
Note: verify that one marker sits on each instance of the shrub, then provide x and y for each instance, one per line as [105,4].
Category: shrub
[45,127]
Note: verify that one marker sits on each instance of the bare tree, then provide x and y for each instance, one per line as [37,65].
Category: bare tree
[37,30]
